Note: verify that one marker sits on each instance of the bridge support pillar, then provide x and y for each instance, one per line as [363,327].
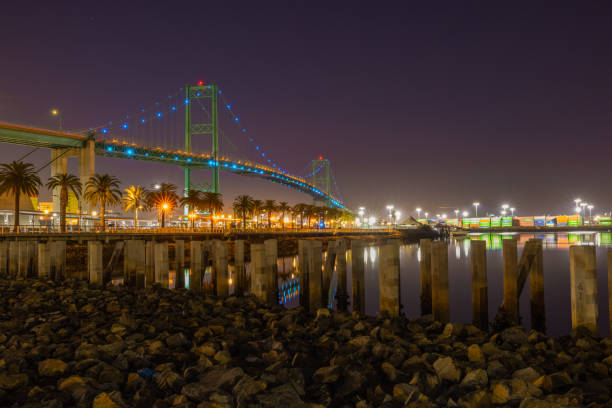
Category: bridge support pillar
[271,253]
[59,165]
[239,270]
[160,256]
[342,293]
[87,168]
[94,262]
[196,266]
[221,273]
[258,271]
[179,260]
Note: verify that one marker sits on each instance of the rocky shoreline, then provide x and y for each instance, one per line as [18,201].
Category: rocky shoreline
[64,345]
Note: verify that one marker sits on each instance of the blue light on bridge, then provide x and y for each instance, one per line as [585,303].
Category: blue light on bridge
[109,148]
[130,152]
[147,154]
[197,94]
[225,165]
[244,131]
[159,114]
[236,119]
[256,147]
[173,108]
[175,158]
[189,159]
[186,101]
[228,106]
[105,130]
[162,156]
[220,92]
[234,166]
[125,126]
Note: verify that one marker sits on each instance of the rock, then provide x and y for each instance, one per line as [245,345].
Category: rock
[528,374]
[514,335]
[10,382]
[177,340]
[352,381]
[109,400]
[496,369]
[246,388]
[475,399]
[404,392]
[327,375]
[223,357]
[536,403]
[52,368]
[281,396]
[70,383]
[475,354]
[323,312]
[500,394]
[475,378]
[389,371]
[446,369]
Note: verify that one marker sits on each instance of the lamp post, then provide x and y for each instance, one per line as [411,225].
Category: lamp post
[465,213]
[590,207]
[390,209]
[476,204]
[583,208]
[46,219]
[577,201]
[512,211]
[456,213]
[418,210]
[397,215]
[58,113]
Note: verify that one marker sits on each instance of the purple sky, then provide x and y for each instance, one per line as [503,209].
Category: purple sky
[431,105]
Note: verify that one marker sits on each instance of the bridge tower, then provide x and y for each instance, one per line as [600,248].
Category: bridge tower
[195,94]
[320,176]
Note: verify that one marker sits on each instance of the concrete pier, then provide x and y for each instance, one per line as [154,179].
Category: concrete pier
[480,299]
[328,271]
[196,266]
[389,279]
[239,269]
[342,293]
[439,282]
[149,264]
[258,272]
[161,263]
[179,263]
[271,253]
[221,273]
[510,274]
[425,264]
[536,289]
[315,275]
[95,267]
[610,288]
[4,247]
[58,259]
[23,260]
[44,260]
[134,263]
[358,276]
[13,258]
[583,281]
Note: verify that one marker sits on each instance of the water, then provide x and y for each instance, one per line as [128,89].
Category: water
[556,278]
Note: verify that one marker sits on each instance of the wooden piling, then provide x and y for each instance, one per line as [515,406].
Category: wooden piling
[161,263]
[328,271]
[439,282]
[23,259]
[425,248]
[510,275]
[610,288]
[196,266]
[389,283]
[239,269]
[13,258]
[58,259]
[342,292]
[536,289]
[179,263]
[95,267]
[221,273]
[303,247]
[271,264]
[258,272]
[583,281]
[480,300]
[315,299]
[358,276]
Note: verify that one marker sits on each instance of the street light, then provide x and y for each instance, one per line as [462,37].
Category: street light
[465,213]
[56,112]
[476,204]
[512,210]
[456,213]
[418,210]
[397,215]
[590,207]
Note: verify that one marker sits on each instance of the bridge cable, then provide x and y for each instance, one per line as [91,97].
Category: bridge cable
[31,151]
[65,151]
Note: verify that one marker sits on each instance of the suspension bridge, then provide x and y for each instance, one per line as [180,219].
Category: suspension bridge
[173,132]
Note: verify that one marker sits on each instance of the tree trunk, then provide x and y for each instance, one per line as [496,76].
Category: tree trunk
[16,213]
[136,217]
[243,219]
[103,215]
[282,220]
[163,219]
[269,220]
[63,205]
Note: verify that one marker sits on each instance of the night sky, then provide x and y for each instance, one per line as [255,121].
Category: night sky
[432,105]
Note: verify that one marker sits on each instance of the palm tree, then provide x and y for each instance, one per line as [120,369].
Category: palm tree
[164,199]
[65,182]
[309,212]
[193,201]
[269,207]
[243,205]
[213,202]
[283,207]
[135,199]
[257,208]
[18,177]
[102,189]
[298,210]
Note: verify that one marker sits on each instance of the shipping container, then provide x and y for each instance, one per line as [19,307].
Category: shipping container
[526,221]
[574,220]
[551,221]
[562,220]
[506,221]
[495,222]
[539,221]
[485,223]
